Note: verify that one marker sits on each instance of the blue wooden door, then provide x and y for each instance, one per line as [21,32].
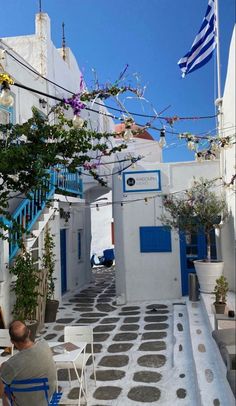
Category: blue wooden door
[193,247]
[63,260]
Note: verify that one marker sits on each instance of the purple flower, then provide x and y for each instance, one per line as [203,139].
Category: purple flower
[75,104]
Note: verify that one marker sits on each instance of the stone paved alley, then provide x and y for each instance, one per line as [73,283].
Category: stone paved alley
[143,351]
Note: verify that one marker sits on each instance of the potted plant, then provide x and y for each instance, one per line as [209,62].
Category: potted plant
[199,209]
[220,291]
[48,263]
[26,289]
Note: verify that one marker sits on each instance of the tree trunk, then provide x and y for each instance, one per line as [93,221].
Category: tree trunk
[208,236]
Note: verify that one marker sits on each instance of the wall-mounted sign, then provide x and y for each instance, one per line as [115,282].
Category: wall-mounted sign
[141,181]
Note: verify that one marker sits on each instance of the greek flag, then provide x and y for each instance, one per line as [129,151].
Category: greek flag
[203,45]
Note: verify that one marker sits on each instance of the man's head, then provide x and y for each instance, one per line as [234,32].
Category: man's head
[19,333]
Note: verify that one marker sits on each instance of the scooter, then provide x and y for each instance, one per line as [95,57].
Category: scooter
[105,260]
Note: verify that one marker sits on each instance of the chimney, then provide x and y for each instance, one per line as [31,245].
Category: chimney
[43,26]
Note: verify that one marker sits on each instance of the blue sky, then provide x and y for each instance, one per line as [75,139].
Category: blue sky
[150,36]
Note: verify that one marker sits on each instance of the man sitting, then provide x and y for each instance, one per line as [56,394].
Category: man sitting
[34,360]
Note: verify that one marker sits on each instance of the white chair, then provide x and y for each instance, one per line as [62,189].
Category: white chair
[81,334]
[5,341]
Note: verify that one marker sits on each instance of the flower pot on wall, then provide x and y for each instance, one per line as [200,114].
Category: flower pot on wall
[219,307]
[207,273]
[51,310]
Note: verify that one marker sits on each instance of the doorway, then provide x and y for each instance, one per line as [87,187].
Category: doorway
[63,260]
[193,247]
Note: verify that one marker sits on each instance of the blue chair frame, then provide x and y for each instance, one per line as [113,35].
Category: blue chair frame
[32,385]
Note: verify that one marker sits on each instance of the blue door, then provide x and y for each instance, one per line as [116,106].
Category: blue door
[192,247]
[63,260]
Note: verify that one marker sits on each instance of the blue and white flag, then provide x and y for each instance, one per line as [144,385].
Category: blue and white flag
[203,45]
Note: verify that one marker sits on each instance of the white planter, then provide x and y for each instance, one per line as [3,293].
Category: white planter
[207,273]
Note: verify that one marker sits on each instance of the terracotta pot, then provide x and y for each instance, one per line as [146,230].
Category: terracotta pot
[51,310]
[219,307]
[207,273]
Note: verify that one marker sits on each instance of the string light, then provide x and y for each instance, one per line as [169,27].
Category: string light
[6,99]
[224,142]
[128,135]
[169,120]
[162,141]
[144,199]
[215,144]
[191,145]
[160,196]
[133,160]
[78,122]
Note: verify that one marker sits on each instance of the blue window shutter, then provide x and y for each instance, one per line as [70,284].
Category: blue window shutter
[155,239]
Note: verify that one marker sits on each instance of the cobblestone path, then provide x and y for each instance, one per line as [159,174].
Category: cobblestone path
[133,348]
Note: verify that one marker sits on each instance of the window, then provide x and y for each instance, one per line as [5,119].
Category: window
[155,239]
[79,241]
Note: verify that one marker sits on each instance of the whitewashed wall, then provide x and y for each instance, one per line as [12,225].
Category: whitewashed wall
[228,157]
[149,276]
[38,52]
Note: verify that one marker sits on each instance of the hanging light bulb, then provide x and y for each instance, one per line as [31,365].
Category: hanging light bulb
[78,121]
[119,176]
[133,160]
[6,99]
[97,207]
[146,200]
[212,156]
[128,135]
[198,156]
[162,141]
[214,146]
[191,145]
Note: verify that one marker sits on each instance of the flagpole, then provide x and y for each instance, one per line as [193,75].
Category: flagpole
[218,50]
[219,99]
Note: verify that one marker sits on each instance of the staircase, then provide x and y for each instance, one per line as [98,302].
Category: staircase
[37,228]
[34,212]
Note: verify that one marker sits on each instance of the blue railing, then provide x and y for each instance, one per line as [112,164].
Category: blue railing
[31,208]
[69,182]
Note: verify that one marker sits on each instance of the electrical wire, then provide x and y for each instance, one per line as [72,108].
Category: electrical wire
[148,126]
[104,105]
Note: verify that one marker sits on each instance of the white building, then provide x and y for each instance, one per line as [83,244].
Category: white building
[151,262]
[29,59]
[228,166]
[143,272]
[146,269]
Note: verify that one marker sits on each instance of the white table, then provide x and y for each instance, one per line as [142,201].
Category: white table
[5,358]
[70,357]
[224,317]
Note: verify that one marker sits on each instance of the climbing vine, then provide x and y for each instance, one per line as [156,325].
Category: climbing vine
[29,150]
